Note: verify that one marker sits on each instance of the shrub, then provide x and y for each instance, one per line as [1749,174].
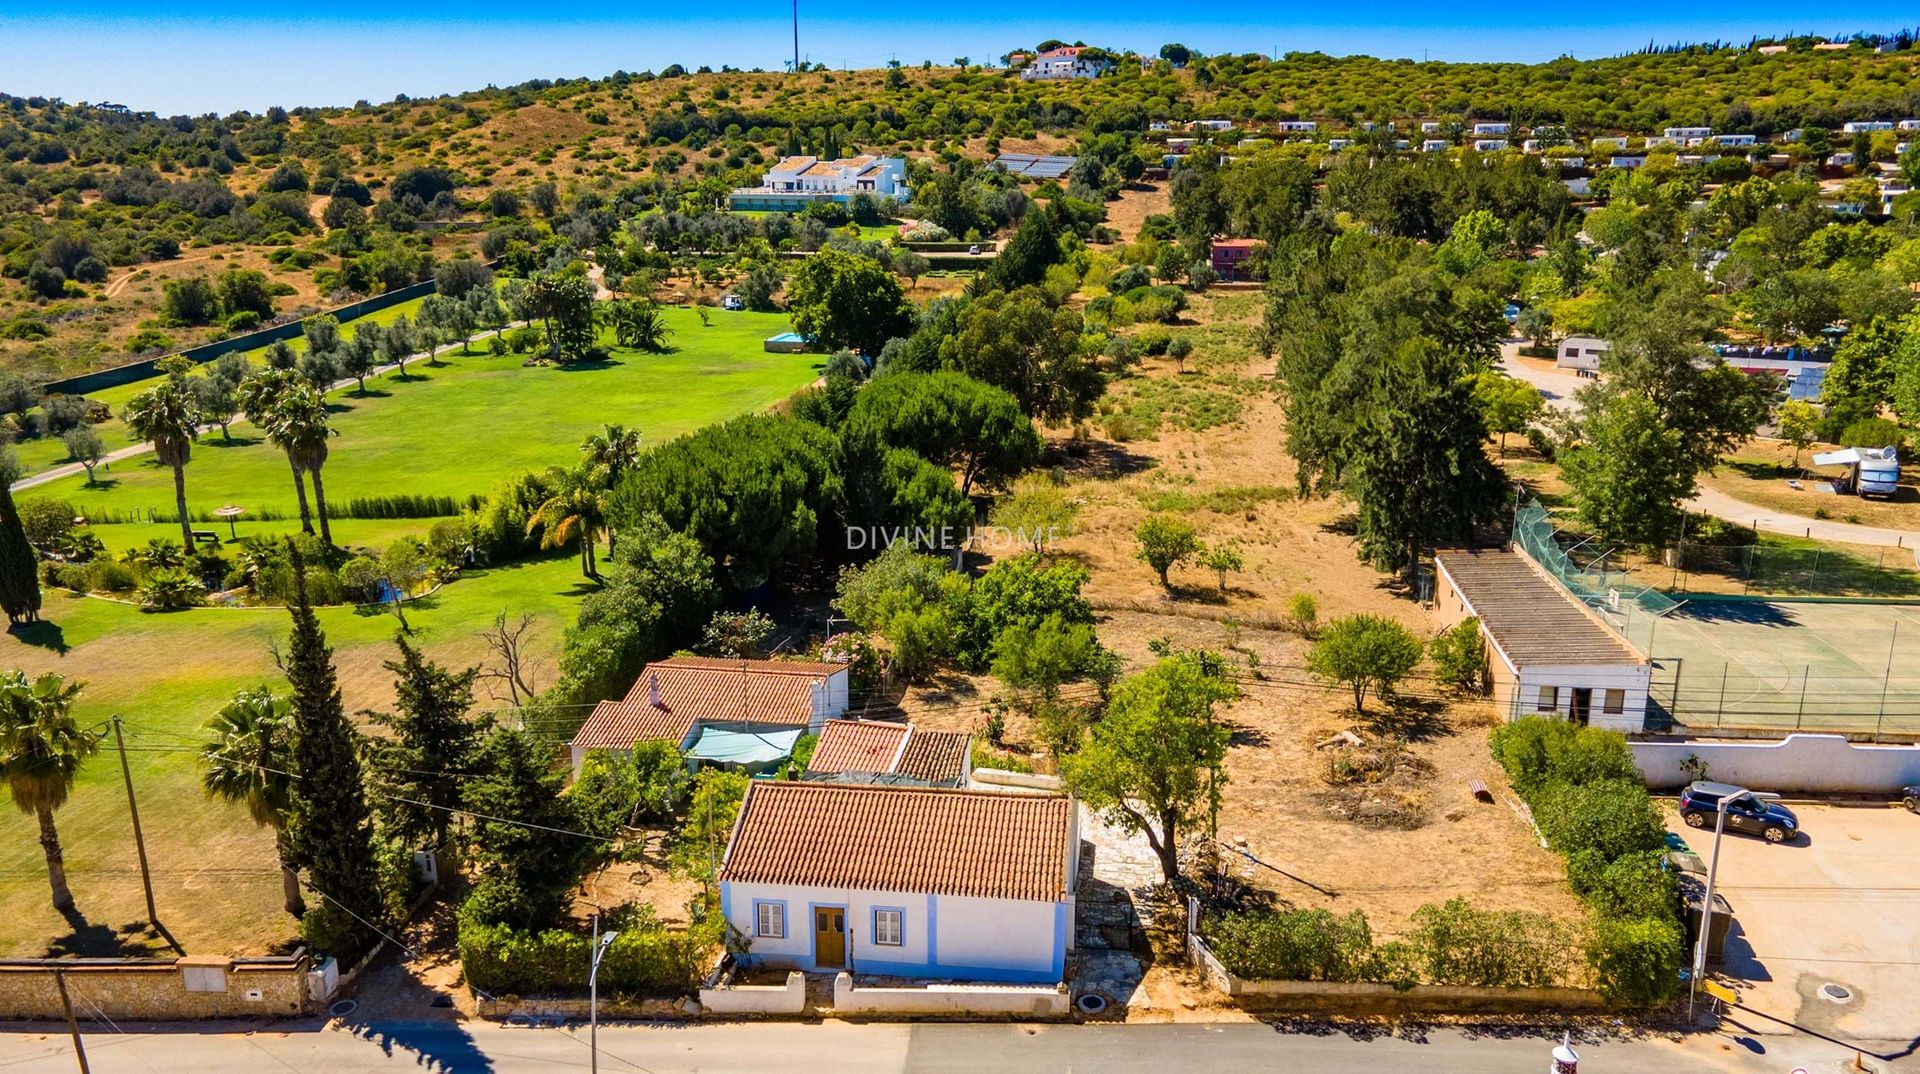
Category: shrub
[1303,614]
[1364,652]
[47,522]
[641,961]
[1637,961]
[1457,944]
[1633,885]
[109,576]
[1293,945]
[1460,655]
[1613,818]
[171,588]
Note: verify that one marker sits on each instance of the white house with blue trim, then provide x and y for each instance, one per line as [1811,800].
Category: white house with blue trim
[916,882]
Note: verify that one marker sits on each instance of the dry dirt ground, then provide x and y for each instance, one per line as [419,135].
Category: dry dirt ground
[1234,482]
[1758,473]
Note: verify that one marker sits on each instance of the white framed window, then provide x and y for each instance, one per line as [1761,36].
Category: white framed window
[888,927]
[1614,702]
[770,920]
[1549,699]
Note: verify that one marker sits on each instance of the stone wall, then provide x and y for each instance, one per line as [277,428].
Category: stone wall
[156,989]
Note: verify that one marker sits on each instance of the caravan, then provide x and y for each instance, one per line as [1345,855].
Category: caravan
[1871,471]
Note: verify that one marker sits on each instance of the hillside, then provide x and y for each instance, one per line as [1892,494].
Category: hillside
[100,208]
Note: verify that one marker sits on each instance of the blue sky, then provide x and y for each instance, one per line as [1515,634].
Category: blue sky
[199,57]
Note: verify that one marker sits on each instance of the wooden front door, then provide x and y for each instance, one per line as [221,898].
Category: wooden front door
[1582,707]
[829,937]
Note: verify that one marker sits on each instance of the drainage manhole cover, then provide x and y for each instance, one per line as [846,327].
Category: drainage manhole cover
[1091,1003]
[343,1008]
[1836,993]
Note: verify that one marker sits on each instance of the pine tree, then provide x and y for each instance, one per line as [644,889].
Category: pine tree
[433,749]
[331,832]
[525,861]
[19,574]
[1034,248]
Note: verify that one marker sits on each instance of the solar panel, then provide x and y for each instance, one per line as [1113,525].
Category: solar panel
[1031,166]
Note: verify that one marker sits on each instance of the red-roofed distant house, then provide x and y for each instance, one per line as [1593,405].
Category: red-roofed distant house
[742,713]
[1230,259]
[879,751]
[1067,61]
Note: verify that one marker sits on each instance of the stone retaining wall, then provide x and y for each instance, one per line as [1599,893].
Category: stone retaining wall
[156,989]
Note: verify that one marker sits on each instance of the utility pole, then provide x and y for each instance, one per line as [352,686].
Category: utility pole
[139,841]
[73,1027]
[796,36]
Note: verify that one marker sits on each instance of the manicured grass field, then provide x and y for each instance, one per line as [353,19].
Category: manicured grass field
[214,876]
[47,452]
[461,427]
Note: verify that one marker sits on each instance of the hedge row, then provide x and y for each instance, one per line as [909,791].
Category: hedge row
[1592,806]
[1450,944]
[641,962]
[366,507]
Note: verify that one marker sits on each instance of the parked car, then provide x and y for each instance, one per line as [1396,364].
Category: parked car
[973,251]
[1910,797]
[1745,813]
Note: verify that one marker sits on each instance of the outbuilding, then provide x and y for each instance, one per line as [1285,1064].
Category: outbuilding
[922,883]
[1548,654]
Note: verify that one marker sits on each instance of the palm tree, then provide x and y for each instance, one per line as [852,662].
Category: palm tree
[610,454]
[247,763]
[260,394]
[168,415]
[41,751]
[578,507]
[298,423]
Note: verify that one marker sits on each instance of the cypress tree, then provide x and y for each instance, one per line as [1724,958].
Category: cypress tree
[19,567]
[433,748]
[331,832]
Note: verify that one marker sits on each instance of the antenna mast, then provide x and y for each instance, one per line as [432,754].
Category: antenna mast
[796,36]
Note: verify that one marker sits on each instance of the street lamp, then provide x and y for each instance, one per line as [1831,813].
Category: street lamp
[601,941]
[1706,905]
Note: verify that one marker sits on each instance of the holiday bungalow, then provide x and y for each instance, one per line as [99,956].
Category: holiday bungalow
[797,182]
[744,714]
[1229,258]
[880,751]
[932,884]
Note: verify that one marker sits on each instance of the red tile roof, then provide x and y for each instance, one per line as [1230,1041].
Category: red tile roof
[935,756]
[903,839]
[691,689]
[858,746]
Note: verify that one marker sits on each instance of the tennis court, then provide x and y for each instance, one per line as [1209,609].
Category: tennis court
[1813,665]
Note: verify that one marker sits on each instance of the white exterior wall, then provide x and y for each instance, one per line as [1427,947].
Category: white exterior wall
[942,936]
[1632,679]
[830,700]
[1817,764]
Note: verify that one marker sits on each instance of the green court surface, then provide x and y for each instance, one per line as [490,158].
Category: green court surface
[1785,665]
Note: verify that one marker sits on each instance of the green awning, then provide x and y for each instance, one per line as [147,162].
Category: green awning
[748,749]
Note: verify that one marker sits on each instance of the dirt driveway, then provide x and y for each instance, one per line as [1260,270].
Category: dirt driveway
[1836,906]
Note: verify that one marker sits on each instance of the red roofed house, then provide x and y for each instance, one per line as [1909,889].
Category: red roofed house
[900,754]
[1230,259]
[927,883]
[740,713]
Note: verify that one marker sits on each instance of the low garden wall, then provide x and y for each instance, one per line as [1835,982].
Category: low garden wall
[1000,779]
[1799,763]
[718,996]
[156,989]
[1025,1001]
[1370,998]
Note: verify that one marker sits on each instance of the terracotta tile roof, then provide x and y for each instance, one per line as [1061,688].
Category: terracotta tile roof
[1529,616]
[902,839]
[935,756]
[692,689]
[858,746]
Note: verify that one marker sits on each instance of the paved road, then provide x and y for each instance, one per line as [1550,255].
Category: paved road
[846,1048]
[1714,502]
[1556,387]
[145,447]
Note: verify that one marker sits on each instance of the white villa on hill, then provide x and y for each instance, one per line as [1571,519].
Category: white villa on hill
[796,182]
[1066,61]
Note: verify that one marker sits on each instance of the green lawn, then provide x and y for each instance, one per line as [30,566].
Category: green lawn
[463,426]
[164,674]
[47,452]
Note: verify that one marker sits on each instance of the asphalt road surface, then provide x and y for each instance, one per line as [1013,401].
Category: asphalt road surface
[851,1048]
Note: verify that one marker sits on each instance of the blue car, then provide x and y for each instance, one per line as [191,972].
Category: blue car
[1745,813]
